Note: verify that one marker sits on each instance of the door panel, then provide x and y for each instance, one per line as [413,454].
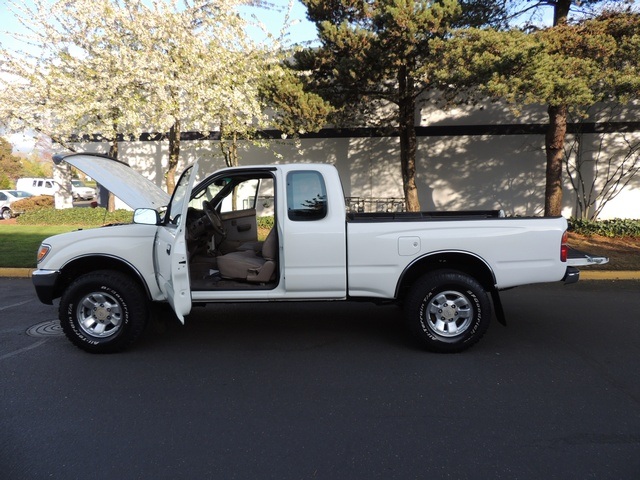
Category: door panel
[172,262]
[241,227]
[315,247]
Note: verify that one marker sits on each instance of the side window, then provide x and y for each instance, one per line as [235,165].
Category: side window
[2,196]
[178,198]
[238,194]
[242,197]
[306,196]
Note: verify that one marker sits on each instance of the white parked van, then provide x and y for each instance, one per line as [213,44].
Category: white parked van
[38,186]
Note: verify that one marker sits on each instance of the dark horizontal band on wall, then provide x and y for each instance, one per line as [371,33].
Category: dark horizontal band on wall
[372,132]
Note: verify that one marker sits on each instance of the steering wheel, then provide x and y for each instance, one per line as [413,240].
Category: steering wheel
[214,219]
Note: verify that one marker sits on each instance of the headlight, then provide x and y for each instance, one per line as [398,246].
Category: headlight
[42,251]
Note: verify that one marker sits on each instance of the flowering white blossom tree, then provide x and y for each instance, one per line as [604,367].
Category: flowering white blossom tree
[118,68]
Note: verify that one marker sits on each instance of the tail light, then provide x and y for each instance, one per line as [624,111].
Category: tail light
[564,248]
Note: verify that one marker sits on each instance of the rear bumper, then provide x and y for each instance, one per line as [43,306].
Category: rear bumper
[45,283]
[572,275]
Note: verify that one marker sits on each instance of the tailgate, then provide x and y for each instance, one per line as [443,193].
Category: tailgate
[577,258]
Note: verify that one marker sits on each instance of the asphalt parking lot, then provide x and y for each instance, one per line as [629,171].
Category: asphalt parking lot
[332,391]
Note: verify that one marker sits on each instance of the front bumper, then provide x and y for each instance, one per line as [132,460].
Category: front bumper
[572,275]
[45,283]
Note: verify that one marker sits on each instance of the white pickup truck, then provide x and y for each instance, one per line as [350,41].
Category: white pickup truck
[201,245]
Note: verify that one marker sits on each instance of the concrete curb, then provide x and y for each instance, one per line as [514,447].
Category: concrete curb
[16,272]
[584,274]
[609,275]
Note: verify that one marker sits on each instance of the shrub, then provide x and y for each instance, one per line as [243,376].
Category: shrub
[87,217]
[5,182]
[616,227]
[265,222]
[33,203]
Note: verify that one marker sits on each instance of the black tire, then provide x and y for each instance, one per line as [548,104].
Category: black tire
[6,214]
[447,311]
[103,312]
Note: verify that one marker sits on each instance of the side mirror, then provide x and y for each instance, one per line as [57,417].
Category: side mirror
[146,216]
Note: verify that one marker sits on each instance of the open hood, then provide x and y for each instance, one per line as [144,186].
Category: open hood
[119,178]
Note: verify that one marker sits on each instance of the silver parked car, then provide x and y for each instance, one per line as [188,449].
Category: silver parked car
[7,197]
[81,191]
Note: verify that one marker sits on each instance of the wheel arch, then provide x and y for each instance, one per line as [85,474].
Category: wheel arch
[92,263]
[464,262]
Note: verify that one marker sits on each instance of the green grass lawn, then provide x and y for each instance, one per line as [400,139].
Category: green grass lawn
[19,243]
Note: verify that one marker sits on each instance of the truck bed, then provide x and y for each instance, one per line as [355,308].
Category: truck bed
[422,216]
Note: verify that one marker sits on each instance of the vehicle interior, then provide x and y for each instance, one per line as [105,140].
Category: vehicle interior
[227,250]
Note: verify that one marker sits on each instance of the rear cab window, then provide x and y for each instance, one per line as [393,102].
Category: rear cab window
[306,196]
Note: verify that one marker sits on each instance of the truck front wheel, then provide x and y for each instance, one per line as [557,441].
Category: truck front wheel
[447,311]
[103,312]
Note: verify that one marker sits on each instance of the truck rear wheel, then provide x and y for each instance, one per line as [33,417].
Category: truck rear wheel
[103,312]
[447,311]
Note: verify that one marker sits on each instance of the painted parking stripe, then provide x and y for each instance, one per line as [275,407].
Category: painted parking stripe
[14,305]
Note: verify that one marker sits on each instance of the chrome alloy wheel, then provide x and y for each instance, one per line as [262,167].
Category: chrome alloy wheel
[99,315]
[449,313]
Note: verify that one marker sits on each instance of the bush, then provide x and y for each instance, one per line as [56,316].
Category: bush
[265,222]
[616,227]
[85,217]
[33,203]
[5,182]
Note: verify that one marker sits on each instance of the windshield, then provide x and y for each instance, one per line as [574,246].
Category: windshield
[178,199]
[20,193]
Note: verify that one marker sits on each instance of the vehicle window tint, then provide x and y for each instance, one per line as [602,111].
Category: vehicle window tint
[306,196]
[2,196]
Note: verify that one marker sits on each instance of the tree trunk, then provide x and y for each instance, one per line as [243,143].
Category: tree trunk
[408,143]
[554,138]
[229,149]
[230,152]
[174,156]
[561,11]
[113,153]
[554,147]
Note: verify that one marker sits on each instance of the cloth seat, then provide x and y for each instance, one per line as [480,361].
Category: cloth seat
[256,267]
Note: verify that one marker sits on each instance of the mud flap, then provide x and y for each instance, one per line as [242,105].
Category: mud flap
[497,306]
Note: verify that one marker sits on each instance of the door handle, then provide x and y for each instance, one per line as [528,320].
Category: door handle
[169,249]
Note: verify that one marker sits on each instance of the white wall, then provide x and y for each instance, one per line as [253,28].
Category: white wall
[453,171]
